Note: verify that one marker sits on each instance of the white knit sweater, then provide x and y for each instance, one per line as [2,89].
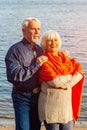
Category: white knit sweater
[55,105]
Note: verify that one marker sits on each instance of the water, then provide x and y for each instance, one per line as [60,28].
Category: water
[68,17]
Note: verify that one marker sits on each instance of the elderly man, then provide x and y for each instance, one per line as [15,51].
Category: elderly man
[22,64]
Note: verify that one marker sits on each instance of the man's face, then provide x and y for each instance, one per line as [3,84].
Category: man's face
[32,32]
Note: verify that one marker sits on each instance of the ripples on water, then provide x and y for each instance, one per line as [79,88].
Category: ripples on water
[68,18]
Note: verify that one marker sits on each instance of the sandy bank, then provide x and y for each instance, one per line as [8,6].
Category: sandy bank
[11,127]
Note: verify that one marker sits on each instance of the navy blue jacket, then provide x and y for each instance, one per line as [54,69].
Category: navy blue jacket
[21,66]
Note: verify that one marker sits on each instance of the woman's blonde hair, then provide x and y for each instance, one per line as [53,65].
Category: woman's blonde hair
[48,35]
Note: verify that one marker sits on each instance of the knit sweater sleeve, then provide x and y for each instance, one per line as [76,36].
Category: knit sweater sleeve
[65,81]
[74,80]
[59,81]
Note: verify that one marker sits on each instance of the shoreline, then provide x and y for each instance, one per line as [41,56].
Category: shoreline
[12,127]
[9,124]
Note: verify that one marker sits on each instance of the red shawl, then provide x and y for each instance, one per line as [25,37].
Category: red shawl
[62,65]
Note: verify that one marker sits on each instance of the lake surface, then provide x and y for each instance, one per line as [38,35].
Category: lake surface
[68,17]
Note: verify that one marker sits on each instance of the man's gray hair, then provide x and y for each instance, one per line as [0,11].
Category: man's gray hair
[27,21]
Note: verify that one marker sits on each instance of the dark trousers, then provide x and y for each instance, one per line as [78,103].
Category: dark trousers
[26,110]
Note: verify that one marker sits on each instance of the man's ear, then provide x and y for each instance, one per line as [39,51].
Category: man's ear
[23,31]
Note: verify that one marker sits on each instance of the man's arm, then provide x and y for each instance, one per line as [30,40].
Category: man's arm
[16,71]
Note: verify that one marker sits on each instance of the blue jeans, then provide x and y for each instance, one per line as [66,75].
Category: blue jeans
[26,110]
[55,126]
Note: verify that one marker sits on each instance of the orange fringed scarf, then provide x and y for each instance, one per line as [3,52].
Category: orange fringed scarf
[62,65]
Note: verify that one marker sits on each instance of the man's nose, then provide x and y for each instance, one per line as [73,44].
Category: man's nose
[37,31]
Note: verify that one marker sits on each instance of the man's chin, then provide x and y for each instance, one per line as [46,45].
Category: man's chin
[35,40]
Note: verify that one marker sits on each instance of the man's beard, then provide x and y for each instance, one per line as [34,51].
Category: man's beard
[34,40]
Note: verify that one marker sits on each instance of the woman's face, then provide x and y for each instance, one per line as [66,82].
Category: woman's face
[52,45]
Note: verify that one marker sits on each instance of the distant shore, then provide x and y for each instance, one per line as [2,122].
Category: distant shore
[12,127]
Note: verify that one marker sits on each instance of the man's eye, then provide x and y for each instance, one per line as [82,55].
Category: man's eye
[48,40]
[32,28]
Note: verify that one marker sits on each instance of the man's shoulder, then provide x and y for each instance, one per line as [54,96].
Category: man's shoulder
[37,45]
[14,48]
[39,49]
[16,45]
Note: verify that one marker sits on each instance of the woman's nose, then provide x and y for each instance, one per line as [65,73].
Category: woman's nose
[53,42]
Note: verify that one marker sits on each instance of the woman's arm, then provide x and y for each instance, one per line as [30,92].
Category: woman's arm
[66,81]
[74,80]
[59,81]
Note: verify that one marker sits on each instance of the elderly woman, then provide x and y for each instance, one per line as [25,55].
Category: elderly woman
[61,86]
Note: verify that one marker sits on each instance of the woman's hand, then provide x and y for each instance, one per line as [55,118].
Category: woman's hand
[63,87]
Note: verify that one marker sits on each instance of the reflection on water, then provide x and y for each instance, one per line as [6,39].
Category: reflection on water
[69,18]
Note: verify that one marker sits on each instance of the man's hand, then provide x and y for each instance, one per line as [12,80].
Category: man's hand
[40,60]
[66,53]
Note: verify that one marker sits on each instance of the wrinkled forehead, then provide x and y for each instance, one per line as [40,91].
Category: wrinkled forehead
[34,23]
